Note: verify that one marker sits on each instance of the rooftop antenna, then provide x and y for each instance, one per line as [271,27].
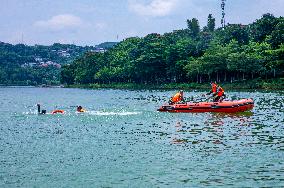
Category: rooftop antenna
[223,22]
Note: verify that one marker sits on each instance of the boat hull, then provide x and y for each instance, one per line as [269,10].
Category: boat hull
[199,107]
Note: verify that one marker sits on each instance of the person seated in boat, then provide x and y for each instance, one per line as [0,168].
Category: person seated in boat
[80,109]
[220,95]
[177,98]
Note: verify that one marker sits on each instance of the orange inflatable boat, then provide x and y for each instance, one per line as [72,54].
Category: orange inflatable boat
[224,106]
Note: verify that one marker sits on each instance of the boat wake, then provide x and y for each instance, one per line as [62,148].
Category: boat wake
[30,113]
[96,113]
[102,113]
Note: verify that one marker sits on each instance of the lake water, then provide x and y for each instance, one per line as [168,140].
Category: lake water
[122,141]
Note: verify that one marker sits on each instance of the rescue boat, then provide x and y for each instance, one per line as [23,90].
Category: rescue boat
[196,107]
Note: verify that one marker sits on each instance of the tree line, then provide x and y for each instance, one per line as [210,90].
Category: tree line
[235,52]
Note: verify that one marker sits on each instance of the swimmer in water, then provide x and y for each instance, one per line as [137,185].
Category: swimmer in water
[80,109]
[38,110]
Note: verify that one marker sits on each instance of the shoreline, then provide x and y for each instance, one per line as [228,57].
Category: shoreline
[256,84]
[274,84]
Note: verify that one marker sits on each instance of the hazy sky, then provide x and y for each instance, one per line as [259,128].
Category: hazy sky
[90,22]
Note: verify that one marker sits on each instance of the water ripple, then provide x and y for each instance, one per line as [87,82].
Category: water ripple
[122,141]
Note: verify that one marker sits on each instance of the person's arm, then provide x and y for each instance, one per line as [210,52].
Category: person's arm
[209,92]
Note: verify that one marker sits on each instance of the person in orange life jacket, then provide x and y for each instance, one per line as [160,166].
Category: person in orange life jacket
[213,89]
[220,95]
[178,97]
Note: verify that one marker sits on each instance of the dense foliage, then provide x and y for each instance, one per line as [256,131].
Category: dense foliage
[236,52]
[32,65]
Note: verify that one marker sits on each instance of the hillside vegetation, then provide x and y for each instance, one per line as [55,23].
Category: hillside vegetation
[33,65]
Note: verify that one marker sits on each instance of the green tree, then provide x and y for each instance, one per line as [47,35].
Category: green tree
[236,32]
[193,26]
[263,27]
[275,63]
[277,35]
[210,23]
[67,75]
[148,60]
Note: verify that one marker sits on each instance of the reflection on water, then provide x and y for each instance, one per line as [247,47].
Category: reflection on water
[230,130]
[211,131]
[122,141]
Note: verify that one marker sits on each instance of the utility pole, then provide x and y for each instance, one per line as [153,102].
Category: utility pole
[223,22]
[22,38]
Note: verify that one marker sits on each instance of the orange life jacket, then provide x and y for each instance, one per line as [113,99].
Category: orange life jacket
[214,88]
[177,97]
[220,91]
[57,112]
